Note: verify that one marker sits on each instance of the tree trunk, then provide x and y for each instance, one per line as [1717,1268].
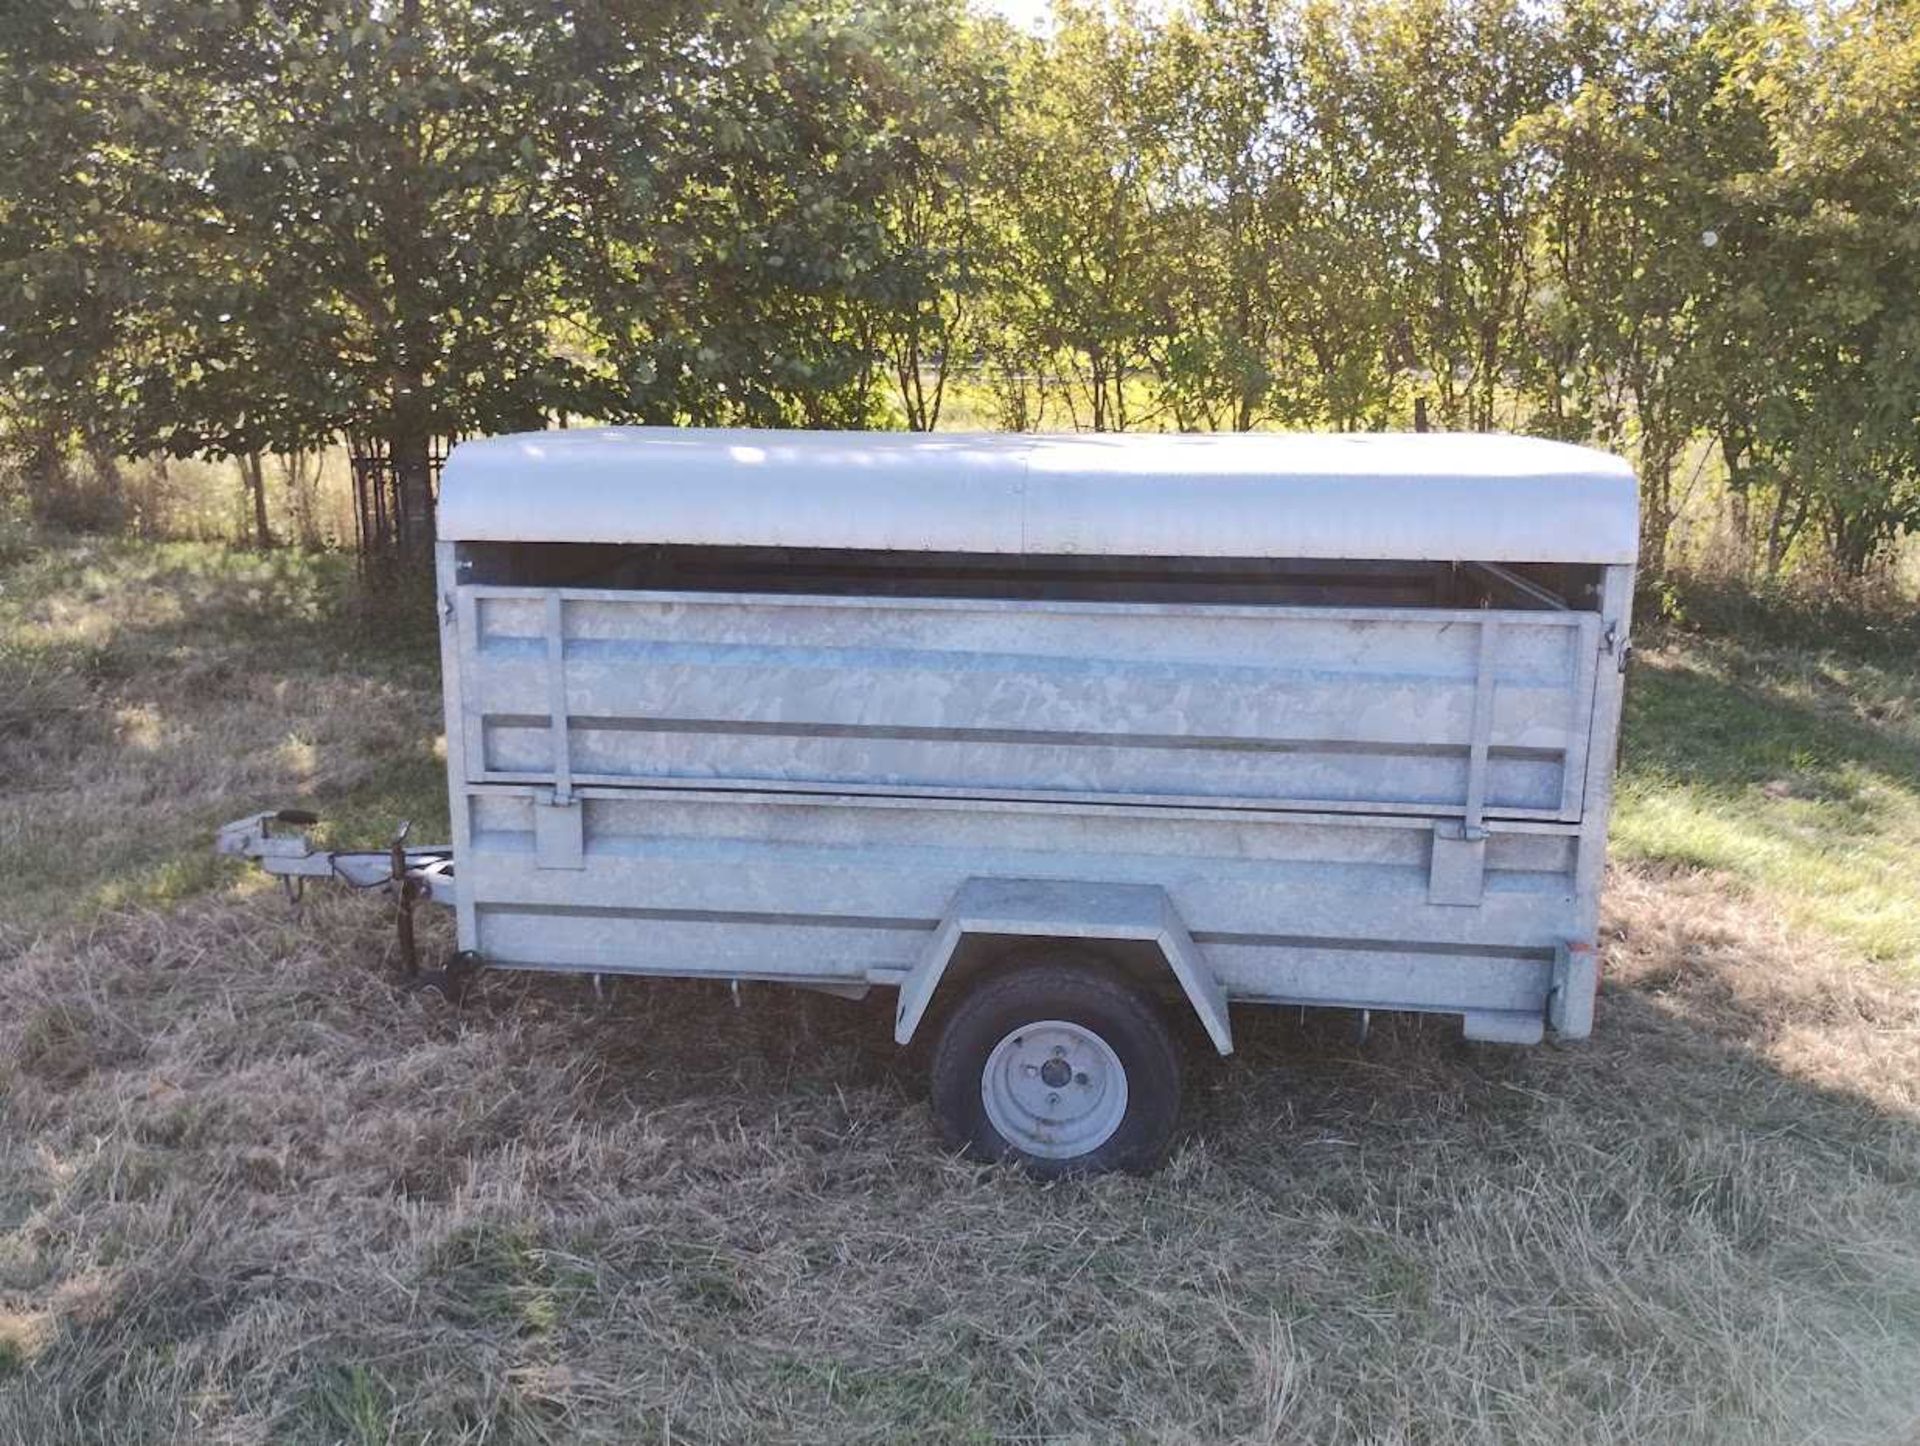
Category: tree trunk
[410,448]
[301,478]
[410,434]
[256,479]
[413,491]
[1790,508]
[47,475]
[1656,508]
[1740,510]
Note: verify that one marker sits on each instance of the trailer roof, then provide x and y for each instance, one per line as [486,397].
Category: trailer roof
[1434,496]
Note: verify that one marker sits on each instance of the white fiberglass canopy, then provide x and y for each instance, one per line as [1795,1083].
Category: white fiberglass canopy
[1433,496]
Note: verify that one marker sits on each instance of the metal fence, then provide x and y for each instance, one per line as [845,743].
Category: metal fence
[378,518]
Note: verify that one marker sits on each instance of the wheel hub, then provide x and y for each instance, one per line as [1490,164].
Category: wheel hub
[1054,1089]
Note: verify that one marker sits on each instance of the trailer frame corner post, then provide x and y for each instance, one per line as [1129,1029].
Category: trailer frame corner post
[1576,980]
[458,617]
[1613,649]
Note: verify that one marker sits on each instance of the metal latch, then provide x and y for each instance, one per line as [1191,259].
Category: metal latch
[1458,872]
[559,831]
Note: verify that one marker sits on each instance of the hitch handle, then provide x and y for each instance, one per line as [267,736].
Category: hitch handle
[405,890]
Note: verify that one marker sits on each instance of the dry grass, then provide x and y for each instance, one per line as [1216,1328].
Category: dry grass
[150,693]
[249,1191]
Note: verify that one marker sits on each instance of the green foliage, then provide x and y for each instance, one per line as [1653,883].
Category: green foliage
[733,182]
[1088,149]
[226,230]
[1819,338]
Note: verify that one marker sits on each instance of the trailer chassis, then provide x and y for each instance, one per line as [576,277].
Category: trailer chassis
[278,841]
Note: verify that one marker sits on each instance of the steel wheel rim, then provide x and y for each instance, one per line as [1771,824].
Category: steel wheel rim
[1054,1089]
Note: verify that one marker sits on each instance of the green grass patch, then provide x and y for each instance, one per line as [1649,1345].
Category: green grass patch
[1795,773]
[503,1275]
[350,1403]
[940,1399]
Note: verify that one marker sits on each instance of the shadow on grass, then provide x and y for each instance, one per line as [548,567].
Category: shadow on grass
[150,692]
[1808,802]
[1685,725]
[1885,629]
[304,610]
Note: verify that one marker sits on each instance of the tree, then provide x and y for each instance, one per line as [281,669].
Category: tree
[70,248]
[1228,69]
[1085,147]
[769,199]
[946,228]
[289,224]
[1354,223]
[1459,79]
[1817,343]
[363,236]
[1646,140]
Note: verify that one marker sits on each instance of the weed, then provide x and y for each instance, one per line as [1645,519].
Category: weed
[351,1403]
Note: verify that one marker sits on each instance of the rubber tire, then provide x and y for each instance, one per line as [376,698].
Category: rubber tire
[1129,1020]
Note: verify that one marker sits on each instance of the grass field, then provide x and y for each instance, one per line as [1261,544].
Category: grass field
[250,1192]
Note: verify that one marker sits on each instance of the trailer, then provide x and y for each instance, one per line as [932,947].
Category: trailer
[1056,737]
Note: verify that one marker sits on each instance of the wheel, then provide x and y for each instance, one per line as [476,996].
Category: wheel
[1060,1066]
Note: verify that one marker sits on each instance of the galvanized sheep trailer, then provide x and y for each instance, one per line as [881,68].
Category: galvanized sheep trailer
[1049,734]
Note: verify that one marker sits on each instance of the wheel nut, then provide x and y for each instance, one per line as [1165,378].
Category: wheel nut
[1053,1099]
[1031,1069]
[1080,1079]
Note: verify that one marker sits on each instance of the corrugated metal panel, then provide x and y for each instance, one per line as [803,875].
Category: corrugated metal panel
[778,886]
[795,787]
[1405,711]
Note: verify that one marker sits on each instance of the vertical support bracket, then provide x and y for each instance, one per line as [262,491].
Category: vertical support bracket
[1480,736]
[559,825]
[557,717]
[1457,874]
[559,834]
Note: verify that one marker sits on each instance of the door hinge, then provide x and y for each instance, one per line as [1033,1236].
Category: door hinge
[1617,647]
